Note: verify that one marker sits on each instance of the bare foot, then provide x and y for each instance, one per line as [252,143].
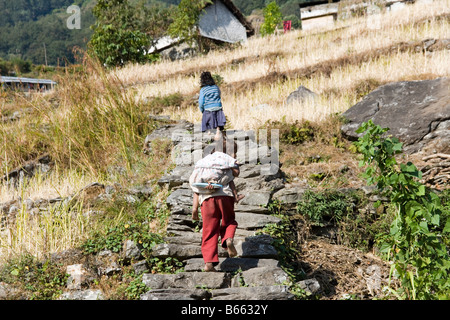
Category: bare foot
[209,267]
[230,248]
[238,198]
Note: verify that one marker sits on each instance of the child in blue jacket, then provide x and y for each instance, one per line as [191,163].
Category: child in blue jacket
[210,104]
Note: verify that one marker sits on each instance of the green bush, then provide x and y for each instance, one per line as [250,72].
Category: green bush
[416,242]
[323,208]
[272,17]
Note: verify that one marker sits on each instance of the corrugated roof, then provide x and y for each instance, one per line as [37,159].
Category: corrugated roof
[26,80]
[238,14]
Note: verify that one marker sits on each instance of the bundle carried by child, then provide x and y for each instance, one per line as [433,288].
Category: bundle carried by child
[214,169]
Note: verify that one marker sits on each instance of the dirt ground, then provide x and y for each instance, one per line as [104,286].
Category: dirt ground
[344,273]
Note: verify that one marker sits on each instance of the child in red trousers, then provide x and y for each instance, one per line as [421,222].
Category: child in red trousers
[218,217]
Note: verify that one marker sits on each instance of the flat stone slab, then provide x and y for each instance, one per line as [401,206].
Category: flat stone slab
[187,280]
[278,292]
[176,294]
[259,246]
[289,196]
[185,238]
[82,295]
[264,276]
[249,221]
[231,264]
[178,251]
[180,197]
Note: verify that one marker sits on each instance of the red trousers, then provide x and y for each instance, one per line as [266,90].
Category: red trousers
[213,210]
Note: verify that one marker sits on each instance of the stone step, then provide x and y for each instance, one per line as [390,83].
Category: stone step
[277,292]
[251,221]
[187,280]
[176,294]
[231,264]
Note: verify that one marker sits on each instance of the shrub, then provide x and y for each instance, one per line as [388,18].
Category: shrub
[326,207]
[272,17]
[420,228]
[36,280]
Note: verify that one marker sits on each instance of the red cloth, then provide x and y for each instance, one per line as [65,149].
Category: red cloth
[214,210]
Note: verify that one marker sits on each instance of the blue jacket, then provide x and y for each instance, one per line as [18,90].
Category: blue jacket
[210,99]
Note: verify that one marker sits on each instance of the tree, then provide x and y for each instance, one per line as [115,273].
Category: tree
[187,15]
[117,39]
[272,17]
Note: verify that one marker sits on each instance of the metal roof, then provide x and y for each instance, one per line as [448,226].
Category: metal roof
[26,80]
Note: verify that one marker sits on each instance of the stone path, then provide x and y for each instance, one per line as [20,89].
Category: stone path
[255,273]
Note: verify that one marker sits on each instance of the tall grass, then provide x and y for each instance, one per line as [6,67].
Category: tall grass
[94,132]
[61,227]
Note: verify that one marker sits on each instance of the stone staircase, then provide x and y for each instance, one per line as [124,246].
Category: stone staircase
[255,273]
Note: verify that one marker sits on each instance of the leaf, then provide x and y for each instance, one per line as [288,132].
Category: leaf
[421,191]
[447,227]
[15,272]
[435,219]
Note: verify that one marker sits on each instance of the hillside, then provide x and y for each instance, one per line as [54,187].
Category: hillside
[26,27]
[94,173]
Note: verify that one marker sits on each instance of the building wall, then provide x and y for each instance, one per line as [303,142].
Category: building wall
[319,22]
[220,24]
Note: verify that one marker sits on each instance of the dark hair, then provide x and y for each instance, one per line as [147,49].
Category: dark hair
[206,79]
[226,145]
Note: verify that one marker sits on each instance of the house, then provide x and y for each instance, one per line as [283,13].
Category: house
[220,21]
[223,21]
[26,84]
[323,13]
[316,14]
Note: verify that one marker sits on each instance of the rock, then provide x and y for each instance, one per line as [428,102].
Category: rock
[82,295]
[253,293]
[311,286]
[411,109]
[69,256]
[289,196]
[300,95]
[264,276]
[77,276]
[231,264]
[7,291]
[42,164]
[107,263]
[257,198]
[140,267]
[205,280]
[176,294]
[187,238]
[251,221]
[178,251]
[259,246]
[180,197]
[131,251]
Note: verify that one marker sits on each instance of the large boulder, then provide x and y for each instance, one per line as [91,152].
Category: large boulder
[414,111]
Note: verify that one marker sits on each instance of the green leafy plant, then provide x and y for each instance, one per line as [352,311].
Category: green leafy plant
[167,265]
[37,280]
[285,241]
[416,241]
[325,207]
[134,287]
